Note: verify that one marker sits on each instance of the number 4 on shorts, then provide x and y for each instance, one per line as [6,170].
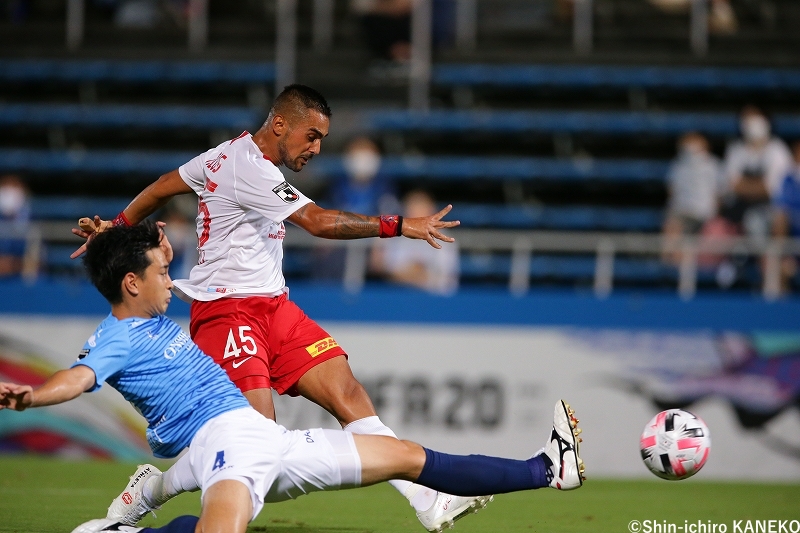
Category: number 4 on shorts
[233,350]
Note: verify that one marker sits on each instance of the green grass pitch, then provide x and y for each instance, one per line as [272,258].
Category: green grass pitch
[45,495]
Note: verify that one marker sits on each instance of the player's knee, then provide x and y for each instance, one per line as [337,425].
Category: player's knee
[413,459]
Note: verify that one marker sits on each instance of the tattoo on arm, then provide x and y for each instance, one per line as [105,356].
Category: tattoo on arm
[353,226]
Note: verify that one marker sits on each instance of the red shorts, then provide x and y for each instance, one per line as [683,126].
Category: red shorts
[261,342]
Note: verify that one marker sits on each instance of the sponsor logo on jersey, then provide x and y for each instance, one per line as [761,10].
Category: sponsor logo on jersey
[279,235]
[83,353]
[127,498]
[221,290]
[210,185]
[214,164]
[321,346]
[177,344]
[286,193]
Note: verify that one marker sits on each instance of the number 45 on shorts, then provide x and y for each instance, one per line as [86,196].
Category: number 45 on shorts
[245,343]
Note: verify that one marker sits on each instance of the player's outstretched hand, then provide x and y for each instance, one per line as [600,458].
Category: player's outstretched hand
[427,228]
[88,229]
[14,396]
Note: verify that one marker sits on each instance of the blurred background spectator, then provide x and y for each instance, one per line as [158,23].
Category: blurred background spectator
[417,263]
[15,213]
[721,17]
[786,222]
[361,189]
[755,167]
[693,182]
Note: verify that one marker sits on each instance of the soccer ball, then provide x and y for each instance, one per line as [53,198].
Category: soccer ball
[675,444]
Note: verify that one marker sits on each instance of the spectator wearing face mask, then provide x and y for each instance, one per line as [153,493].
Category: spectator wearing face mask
[755,167]
[362,189]
[694,181]
[15,214]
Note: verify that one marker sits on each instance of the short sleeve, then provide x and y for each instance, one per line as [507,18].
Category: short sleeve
[192,173]
[265,191]
[105,353]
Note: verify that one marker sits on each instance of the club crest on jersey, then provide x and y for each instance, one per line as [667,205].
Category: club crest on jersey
[214,164]
[286,193]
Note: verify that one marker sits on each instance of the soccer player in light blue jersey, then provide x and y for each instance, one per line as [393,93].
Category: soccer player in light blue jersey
[237,457]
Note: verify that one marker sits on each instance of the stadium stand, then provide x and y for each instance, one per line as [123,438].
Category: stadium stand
[138,72]
[620,77]
[521,136]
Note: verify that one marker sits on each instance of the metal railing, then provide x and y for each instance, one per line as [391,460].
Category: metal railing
[521,245]
[605,246]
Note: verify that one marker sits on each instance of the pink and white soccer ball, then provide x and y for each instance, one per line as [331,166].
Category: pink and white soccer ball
[675,444]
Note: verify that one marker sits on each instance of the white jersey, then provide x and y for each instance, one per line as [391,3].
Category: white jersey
[243,200]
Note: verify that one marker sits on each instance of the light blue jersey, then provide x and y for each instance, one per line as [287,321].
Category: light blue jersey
[157,367]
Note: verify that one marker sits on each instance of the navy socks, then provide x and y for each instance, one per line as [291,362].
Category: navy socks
[480,475]
[182,524]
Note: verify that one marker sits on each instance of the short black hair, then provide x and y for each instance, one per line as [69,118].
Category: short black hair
[110,255]
[297,98]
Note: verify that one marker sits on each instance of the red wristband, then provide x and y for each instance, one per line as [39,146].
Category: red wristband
[391,226]
[121,220]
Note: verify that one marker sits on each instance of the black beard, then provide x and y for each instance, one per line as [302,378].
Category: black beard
[286,159]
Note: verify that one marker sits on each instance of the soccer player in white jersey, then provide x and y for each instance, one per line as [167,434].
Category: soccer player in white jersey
[238,458]
[241,314]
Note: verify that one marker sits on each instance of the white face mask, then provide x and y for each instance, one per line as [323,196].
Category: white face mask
[362,165]
[12,199]
[755,128]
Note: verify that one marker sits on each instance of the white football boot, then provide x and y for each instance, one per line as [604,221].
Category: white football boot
[101,525]
[130,506]
[563,449]
[447,509]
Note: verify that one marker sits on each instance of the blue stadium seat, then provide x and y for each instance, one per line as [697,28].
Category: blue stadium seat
[434,167]
[438,121]
[74,207]
[39,70]
[565,218]
[599,122]
[92,161]
[114,116]
[521,168]
[622,77]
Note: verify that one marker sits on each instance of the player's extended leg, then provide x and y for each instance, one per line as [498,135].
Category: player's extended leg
[331,385]
[328,460]
[227,508]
